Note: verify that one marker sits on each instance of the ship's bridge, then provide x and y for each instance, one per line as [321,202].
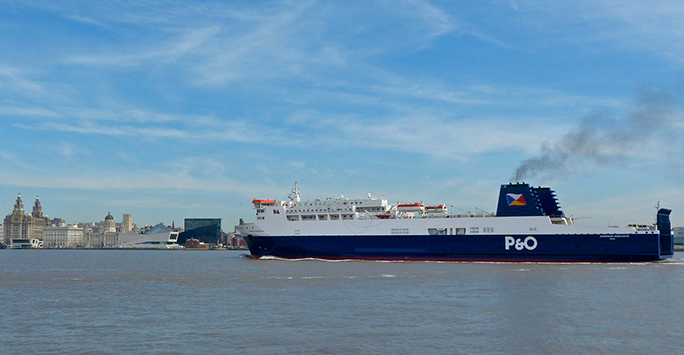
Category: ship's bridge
[260,204]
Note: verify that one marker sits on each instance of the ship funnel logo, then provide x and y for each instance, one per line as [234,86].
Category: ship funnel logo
[515,200]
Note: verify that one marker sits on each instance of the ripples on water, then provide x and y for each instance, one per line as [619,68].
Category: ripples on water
[213,302]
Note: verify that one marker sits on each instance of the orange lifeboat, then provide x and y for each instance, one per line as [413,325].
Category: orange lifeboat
[410,207]
[263,202]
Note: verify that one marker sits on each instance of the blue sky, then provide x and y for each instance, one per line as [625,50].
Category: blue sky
[176,109]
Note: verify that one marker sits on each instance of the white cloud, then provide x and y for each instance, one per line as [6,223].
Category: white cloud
[433,19]
[171,51]
[646,26]
[139,179]
[14,79]
[28,111]
[218,44]
[68,150]
[444,138]
[86,20]
[14,160]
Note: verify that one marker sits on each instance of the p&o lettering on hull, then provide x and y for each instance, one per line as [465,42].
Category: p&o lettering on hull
[529,243]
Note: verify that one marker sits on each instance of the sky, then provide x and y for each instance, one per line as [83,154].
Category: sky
[180,109]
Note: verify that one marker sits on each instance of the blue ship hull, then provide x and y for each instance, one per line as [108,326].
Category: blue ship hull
[541,248]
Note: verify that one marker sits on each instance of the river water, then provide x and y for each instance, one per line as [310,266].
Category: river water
[219,302]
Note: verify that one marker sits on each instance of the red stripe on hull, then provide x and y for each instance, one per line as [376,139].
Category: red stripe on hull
[457,260]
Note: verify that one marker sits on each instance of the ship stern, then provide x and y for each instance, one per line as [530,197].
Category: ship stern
[665,230]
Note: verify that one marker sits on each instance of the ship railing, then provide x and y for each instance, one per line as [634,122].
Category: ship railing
[643,227]
[463,216]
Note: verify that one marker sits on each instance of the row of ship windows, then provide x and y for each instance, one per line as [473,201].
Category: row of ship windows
[321,203]
[314,210]
[476,230]
[348,208]
[459,231]
[447,231]
[321,217]
[371,209]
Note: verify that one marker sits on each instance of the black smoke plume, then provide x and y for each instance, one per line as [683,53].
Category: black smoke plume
[602,138]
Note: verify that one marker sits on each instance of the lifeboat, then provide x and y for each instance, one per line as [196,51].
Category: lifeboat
[261,203]
[410,207]
[439,208]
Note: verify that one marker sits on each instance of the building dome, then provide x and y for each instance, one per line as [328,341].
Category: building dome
[109,224]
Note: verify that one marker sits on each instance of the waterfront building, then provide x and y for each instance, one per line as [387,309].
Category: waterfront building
[100,235]
[58,222]
[157,228]
[160,240]
[2,234]
[126,224]
[63,237]
[236,241]
[25,243]
[109,224]
[207,230]
[678,233]
[21,227]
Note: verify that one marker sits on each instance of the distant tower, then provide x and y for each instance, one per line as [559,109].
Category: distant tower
[37,209]
[127,224]
[15,222]
[18,206]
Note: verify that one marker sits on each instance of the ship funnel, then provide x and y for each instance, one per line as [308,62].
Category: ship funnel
[521,199]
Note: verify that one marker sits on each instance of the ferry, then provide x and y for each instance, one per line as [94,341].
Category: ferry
[528,226]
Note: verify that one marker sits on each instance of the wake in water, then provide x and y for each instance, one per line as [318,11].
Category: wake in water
[275,258]
[672,261]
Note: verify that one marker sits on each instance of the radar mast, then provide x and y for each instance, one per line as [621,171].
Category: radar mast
[294,195]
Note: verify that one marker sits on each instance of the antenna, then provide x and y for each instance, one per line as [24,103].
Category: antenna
[462,210]
[294,195]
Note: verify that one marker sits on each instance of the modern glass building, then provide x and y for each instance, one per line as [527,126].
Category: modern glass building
[207,230]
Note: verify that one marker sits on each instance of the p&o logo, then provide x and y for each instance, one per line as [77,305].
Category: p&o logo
[529,243]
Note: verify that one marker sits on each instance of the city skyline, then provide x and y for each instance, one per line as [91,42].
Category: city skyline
[125,217]
[173,110]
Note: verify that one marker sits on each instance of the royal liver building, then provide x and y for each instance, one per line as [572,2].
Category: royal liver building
[22,226]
